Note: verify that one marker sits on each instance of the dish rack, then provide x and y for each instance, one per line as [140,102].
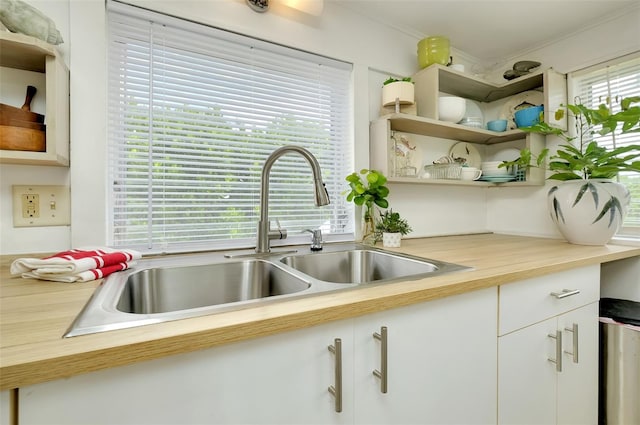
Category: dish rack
[442,171]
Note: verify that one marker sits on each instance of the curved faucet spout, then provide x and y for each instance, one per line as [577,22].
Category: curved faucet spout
[321,196]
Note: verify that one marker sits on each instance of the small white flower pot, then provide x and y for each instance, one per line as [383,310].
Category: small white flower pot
[391,240]
[404,91]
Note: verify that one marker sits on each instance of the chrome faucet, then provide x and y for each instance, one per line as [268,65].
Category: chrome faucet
[265,234]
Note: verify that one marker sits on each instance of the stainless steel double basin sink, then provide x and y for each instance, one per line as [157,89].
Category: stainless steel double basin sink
[181,286]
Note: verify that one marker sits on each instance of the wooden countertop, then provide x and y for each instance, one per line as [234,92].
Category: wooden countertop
[35,314]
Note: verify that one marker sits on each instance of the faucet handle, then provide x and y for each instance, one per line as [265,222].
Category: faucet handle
[316,239]
[278,233]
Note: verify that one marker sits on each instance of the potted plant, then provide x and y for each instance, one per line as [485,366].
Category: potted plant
[587,205]
[390,228]
[367,190]
[397,90]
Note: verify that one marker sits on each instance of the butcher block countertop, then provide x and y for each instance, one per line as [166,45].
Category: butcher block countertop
[35,314]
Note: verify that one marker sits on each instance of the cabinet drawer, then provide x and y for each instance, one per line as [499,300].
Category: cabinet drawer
[530,301]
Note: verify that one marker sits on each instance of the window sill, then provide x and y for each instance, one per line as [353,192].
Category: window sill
[626,240]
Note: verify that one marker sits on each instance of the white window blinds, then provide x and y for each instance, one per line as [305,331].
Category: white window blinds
[194,112]
[614,81]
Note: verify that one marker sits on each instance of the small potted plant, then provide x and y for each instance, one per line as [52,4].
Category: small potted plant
[390,228]
[367,193]
[587,206]
[401,91]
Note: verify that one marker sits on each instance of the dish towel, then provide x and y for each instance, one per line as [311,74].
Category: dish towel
[76,265]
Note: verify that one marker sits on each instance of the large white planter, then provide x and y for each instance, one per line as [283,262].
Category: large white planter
[588,212]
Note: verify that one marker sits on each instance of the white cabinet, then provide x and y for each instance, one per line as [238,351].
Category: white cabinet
[6,408]
[441,369]
[279,379]
[22,52]
[548,349]
[441,363]
[433,80]
[445,364]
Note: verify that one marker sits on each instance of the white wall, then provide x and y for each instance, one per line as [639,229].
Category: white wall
[375,52]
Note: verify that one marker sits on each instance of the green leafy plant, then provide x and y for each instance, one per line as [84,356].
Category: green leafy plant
[391,222]
[584,158]
[526,160]
[396,80]
[368,188]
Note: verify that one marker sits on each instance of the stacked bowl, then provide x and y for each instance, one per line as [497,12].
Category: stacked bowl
[451,108]
[490,169]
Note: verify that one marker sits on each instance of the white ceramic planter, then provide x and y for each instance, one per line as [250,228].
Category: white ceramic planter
[588,212]
[391,240]
[402,90]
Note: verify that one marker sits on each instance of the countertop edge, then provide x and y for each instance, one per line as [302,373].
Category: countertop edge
[170,339]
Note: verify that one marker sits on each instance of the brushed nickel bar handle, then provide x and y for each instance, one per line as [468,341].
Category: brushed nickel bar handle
[336,389]
[558,359]
[565,293]
[574,332]
[383,372]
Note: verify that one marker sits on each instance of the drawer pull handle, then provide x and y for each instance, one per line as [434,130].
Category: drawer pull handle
[558,359]
[574,331]
[336,389]
[382,373]
[565,293]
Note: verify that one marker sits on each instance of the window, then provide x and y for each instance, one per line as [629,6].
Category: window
[615,80]
[194,112]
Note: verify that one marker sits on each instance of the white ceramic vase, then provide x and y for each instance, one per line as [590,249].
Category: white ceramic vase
[391,240]
[588,212]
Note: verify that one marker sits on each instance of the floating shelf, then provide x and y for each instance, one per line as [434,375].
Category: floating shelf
[435,128]
[436,79]
[476,183]
[460,84]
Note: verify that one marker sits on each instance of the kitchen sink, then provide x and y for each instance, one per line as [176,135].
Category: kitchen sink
[361,266]
[164,288]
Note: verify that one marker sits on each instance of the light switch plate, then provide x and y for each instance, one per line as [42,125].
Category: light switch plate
[35,206]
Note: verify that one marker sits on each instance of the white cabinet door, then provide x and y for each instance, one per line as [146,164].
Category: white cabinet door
[526,377]
[442,359]
[534,390]
[578,381]
[5,407]
[281,379]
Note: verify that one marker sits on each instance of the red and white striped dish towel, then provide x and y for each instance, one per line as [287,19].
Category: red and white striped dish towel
[76,265]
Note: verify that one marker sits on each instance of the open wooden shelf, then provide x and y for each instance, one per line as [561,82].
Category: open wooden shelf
[27,53]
